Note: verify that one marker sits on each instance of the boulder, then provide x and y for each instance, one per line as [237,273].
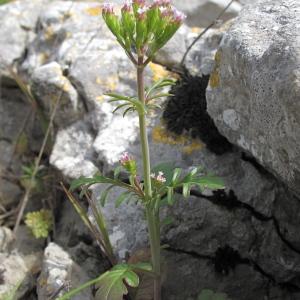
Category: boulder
[59,274]
[254,95]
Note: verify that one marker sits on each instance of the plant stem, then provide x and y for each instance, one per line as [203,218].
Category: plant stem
[152,215]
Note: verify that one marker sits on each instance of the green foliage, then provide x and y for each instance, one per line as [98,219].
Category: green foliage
[4,1]
[141,27]
[211,295]
[29,179]
[12,294]
[40,223]
[113,284]
[176,180]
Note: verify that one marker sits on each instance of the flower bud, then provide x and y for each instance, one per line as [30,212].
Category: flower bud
[107,8]
[128,163]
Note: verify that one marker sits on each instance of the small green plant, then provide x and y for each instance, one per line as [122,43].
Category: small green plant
[12,294]
[39,222]
[141,30]
[211,295]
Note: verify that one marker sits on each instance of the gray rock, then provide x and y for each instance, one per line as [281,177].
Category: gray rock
[6,238]
[241,283]
[58,271]
[254,89]
[201,13]
[20,18]
[20,261]
[49,86]
[72,151]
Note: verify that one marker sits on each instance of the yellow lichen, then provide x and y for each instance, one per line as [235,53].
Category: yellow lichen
[214,81]
[109,83]
[100,98]
[194,146]
[159,72]
[94,11]
[196,29]
[187,144]
[49,33]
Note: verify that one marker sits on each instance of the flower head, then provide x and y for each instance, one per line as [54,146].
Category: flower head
[141,12]
[139,2]
[128,162]
[125,158]
[178,16]
[107,8]
[161,3]
[127,6]
[159,178]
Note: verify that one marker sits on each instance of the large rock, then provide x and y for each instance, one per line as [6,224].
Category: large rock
[254,94]
[59,273]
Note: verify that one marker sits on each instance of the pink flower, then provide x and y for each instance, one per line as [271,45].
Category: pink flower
[139,2]
[125,158]
[141,12]
[161,3]
[127,6]
[108,8]
[178,16]
[160,177]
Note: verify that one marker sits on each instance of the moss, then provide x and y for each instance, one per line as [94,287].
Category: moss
[186,113]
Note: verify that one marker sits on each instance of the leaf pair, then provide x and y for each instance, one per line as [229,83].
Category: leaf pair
[113,284]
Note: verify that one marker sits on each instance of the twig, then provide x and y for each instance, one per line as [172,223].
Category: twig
[204,31]
[36,166]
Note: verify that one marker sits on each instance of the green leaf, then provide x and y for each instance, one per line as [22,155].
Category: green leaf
[121,106]
[166,221]
[209,182]
[40,223]
[170,195]
[186,190]
[123,197]
[176,175]
[105,194]
[117,171]
[167,168]
[112,283]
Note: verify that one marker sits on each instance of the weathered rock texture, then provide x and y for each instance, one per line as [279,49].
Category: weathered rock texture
[244,241]
[254,94]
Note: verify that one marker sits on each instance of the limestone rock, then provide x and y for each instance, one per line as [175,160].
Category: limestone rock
[254,90]
[49,86]
[201,13]
[58,273]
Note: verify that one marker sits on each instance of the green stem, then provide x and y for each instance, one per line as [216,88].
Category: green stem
[152,215]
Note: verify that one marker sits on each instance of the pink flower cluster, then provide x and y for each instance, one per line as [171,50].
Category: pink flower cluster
[160,177]
[125,158]
[107,8]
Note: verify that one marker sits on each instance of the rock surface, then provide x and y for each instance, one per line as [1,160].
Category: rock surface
[241,241]
[59,274]
[254,94]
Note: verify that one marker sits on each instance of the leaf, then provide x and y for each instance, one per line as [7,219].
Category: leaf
[170,195]
[105,194]
[186,190]
[209,182]
[121,106]
[40,223]
[176,176]
[167,168]
[123,197]
[112,283]
[117,171]
[167,221]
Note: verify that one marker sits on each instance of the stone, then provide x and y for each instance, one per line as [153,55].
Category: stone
[254,89]
[201,13]
[6,238]
[49,86]
[20,18]
[59,272]
[72,152]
